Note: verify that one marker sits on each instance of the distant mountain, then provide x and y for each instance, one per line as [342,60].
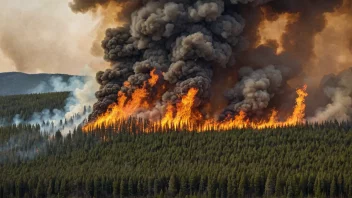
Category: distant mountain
[15,83]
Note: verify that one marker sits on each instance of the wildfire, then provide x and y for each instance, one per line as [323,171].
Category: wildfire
[183,116]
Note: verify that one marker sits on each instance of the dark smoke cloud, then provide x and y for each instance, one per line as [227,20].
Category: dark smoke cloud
[302,31]
[188,40]
[298,39]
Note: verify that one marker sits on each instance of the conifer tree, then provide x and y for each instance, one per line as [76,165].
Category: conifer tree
[269,185]
[243,185]
[333,188]
[173,187]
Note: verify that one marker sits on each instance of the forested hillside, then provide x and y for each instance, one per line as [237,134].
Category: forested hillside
[16,83]
[302,161]
[26,105]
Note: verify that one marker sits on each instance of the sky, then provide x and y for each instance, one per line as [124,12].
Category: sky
[45,36]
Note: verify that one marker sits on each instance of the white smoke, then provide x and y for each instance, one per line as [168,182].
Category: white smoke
[57,84]
[23,146]
[77,108]
[339,90]
[337,110]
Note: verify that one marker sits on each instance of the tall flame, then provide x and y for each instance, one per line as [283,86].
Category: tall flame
[183,116]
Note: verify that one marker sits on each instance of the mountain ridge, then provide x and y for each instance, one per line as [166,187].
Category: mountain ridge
[16,83]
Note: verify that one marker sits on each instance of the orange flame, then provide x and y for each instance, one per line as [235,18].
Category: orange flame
[154,78]
[125,108]
[185,117]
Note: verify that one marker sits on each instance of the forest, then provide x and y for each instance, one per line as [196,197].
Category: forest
[311,160]
[25,105]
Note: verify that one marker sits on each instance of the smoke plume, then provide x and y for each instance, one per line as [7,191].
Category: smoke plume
[77,108]
[254,91]
[339,90]
[186,43]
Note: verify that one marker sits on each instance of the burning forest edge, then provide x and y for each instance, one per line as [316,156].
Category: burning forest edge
[183,116]
[214,65]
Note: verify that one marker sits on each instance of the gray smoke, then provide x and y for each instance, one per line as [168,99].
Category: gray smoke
[254,91]
[338,88]
[23,146]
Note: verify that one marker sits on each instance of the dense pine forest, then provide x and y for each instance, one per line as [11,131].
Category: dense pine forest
[302,161]
[25,105]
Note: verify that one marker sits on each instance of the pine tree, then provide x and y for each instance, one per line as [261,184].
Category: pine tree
[58,136]
[90,187]
[123,188]
[202,184]
[156,188]
[279,191]
[32,186]
[269,185]
[19,188]
[223,186]
[40,191]
[50,189]
[131,190]
[151,186]
[243,185]
[193,184]
[140,190]
[317,187]
[333,188]
[211,187]
[116,188]
[290,193]
[258,186]
[341,184]
[97,187]
[217,193]
[184,187]
[303,185]
[310,185]
[63,188]
[57,186]
[173,187]
[231,186]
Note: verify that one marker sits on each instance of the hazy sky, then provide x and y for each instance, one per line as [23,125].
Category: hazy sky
[46,36]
